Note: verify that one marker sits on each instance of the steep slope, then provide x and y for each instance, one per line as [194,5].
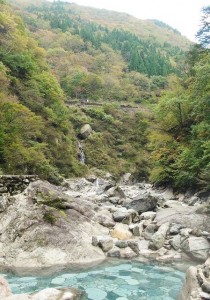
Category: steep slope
[112,19]
[147,46]
[38,131]
[35,133]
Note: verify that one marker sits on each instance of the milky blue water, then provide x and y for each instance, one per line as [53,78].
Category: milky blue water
[122,281]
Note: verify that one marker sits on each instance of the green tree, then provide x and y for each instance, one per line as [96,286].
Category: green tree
[203,34]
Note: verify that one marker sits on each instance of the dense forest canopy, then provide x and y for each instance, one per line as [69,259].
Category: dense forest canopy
[54,53]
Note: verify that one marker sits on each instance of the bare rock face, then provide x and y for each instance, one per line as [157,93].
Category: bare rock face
[186,216]
[45,227]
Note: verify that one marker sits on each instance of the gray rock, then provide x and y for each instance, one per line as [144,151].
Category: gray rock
[196,247]
[4,201]
[134,228]
[172,204]
[185,232]
[115,200]
[106,243]
[105,220]
[127,253]
[143,245]
[184,215]
[120,215]
[192,200]
[134,246]
[143,203]
[114,252]
[148,215]
[206,287]
[127,179]
[175,228]
[149,231]
[125,216]
[158,238]
[85,131]
[115,191]
[176,242]
[204,296]
[95,240]
[38,235]
[121,244]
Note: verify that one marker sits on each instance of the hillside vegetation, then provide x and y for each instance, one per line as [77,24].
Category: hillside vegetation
[54,53]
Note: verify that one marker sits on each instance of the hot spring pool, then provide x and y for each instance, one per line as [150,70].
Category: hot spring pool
[122,281]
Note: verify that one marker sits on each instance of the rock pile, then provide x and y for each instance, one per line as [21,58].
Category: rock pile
[86,220]
[14,184]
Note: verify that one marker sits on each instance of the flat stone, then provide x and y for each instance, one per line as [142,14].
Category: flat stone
[96,294]
[58,281]
[132,281]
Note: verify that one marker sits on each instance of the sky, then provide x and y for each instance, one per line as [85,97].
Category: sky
[183,15]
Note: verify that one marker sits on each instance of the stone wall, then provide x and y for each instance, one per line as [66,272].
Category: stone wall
[14,184]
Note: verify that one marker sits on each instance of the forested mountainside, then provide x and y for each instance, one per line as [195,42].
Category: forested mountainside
[144,53]
[54,53]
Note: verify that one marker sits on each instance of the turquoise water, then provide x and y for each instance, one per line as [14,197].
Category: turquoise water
[124,281]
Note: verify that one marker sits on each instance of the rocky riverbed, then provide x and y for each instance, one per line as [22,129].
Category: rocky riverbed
[85,221]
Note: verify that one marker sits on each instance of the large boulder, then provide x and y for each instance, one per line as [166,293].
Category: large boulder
[121,214]
[158,238]
[85,131]
[187,216]
[43,227]
[125,216]
[121,232]
[191,289]
[196,247]
[5,290]
[143,203]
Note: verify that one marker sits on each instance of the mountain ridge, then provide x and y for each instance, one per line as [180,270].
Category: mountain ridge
[143,28]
